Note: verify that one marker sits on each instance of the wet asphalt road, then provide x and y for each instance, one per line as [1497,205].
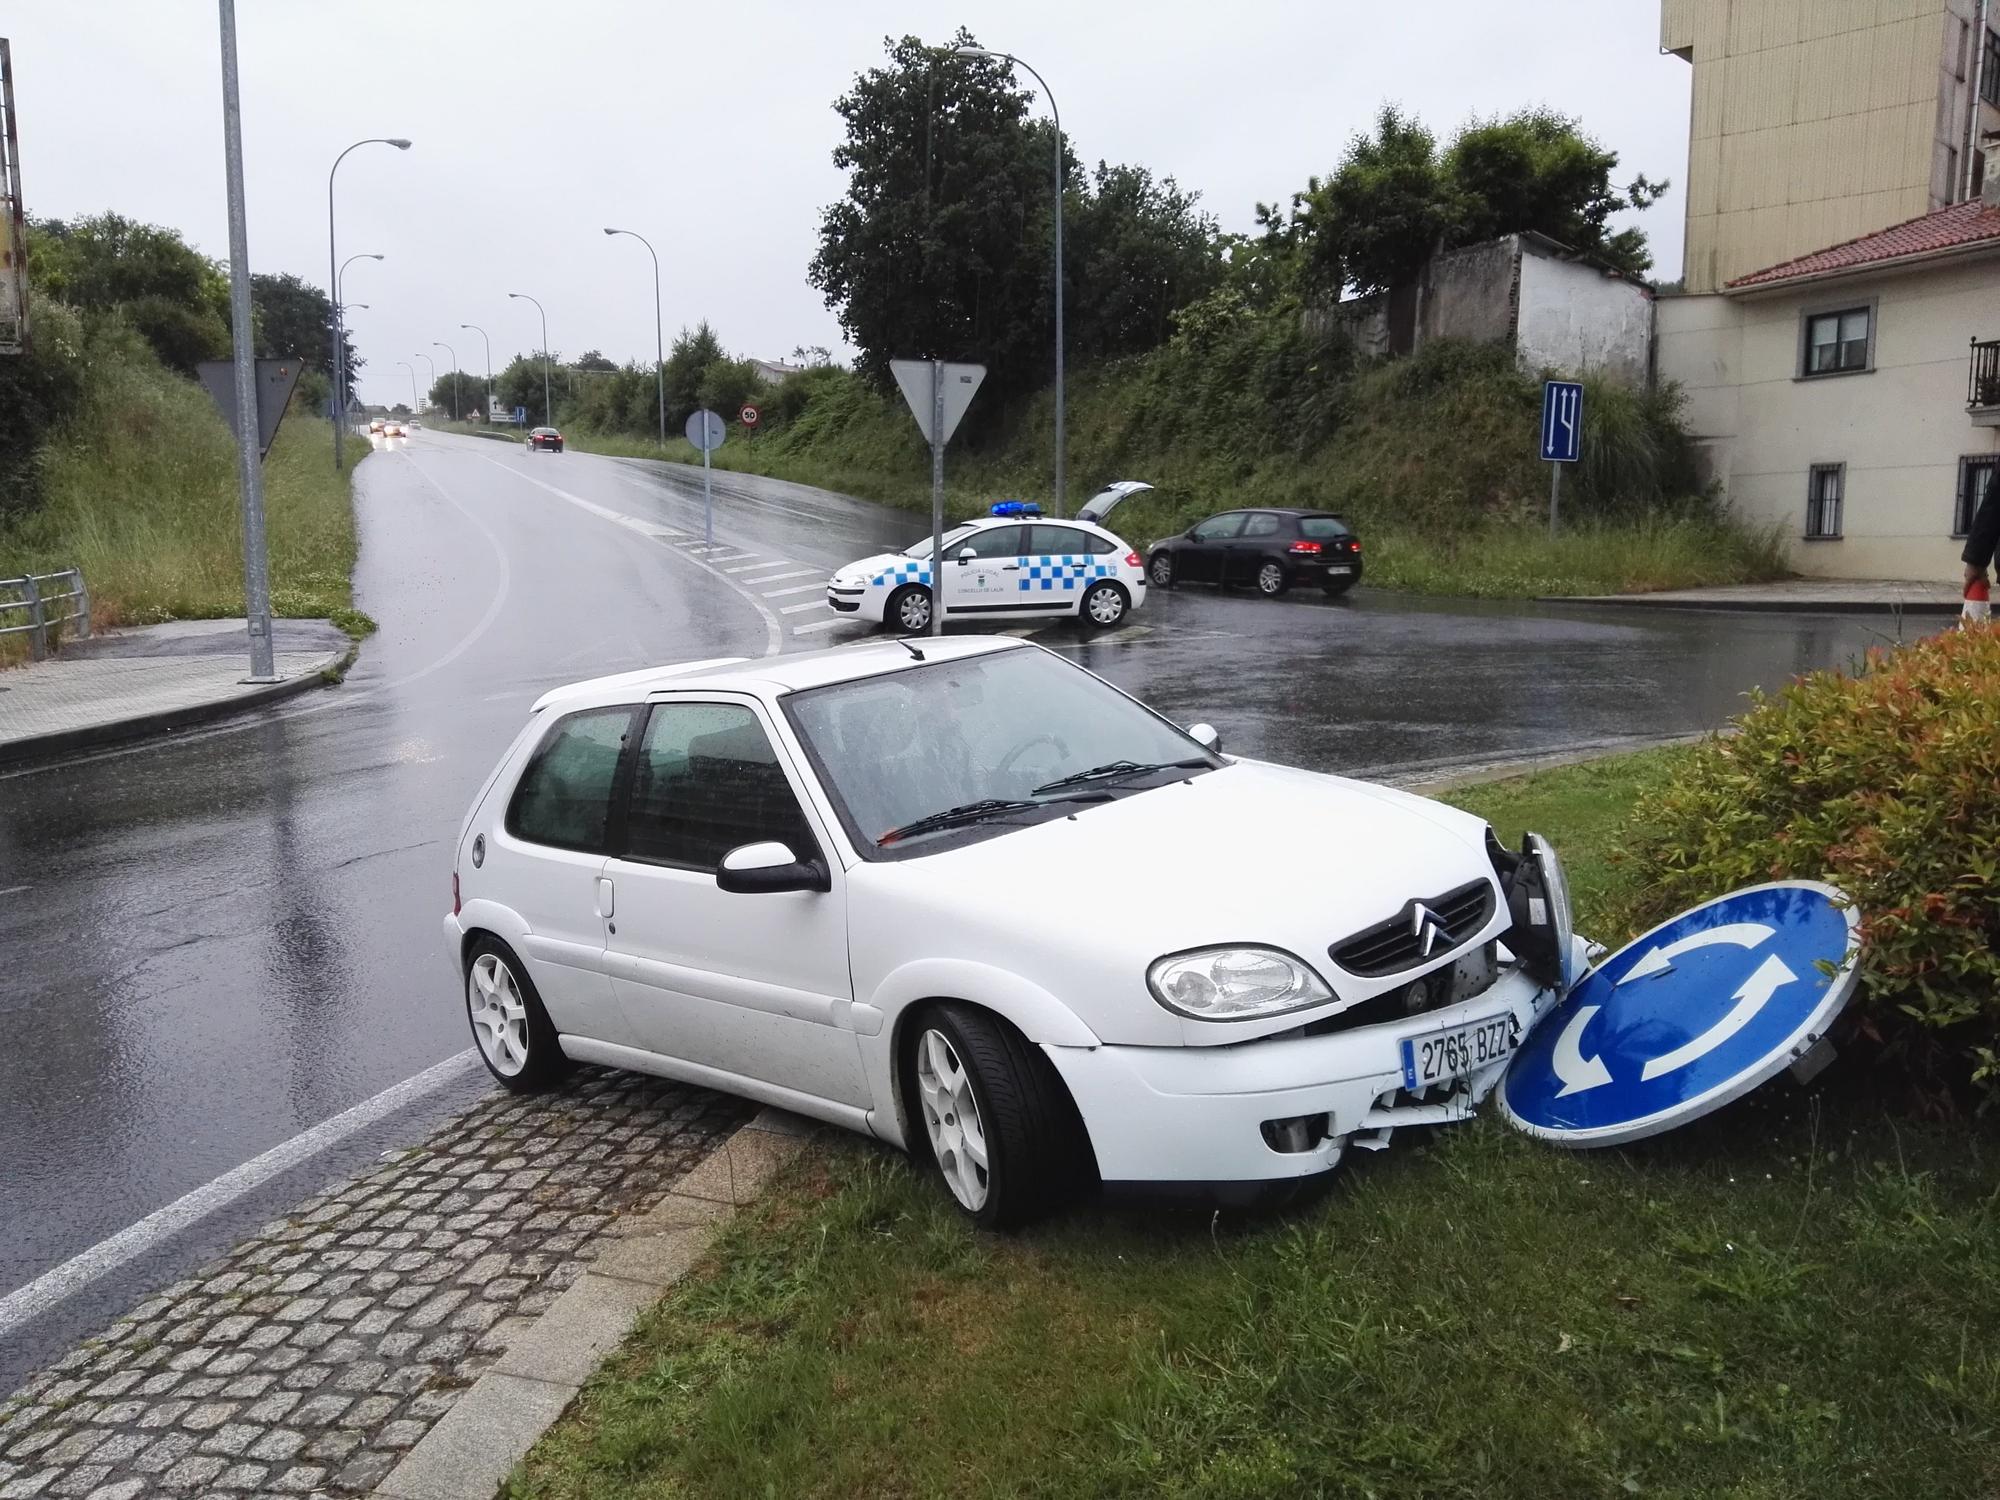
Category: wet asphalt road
[226,937]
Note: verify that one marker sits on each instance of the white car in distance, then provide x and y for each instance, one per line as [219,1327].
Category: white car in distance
[1015,564]
[965,896]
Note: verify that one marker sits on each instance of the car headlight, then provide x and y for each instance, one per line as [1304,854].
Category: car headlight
[1562,911]
[1538,899]
[1234,984]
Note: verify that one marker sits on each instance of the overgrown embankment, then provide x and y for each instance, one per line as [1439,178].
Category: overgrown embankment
[1432,457]
[135,482]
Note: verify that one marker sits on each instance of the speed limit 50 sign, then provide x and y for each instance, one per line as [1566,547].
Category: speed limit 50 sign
[749,416]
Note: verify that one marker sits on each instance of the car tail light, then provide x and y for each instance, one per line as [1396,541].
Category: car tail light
[454,893]
[1132,559]
[1355,545]
[1304,549]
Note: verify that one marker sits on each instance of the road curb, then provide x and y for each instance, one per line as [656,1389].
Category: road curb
[1940,608]
[50,747]
[473,1448]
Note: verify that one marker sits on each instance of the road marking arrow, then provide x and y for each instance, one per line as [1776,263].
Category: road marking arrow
[1756,991]
[1659,960]
[1576,1071]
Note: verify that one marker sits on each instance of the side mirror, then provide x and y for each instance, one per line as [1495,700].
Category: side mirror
[753,869]
[966,555]
[1205,735]
[1191,533]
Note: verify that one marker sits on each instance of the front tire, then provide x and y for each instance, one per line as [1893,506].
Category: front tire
[999,1125]
[1104,605]
[1160,571]
[909,609]
[515,1037]
[1272,580]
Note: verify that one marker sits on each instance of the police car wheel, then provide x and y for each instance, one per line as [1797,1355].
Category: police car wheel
[1161,570]
[1271,580]
[910,608]
[1103,607]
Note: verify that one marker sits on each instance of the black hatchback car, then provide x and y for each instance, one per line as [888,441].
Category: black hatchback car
[1268,550]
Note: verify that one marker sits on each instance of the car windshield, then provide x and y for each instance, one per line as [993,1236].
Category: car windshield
[1322,528]
[922,546]
[1003,738]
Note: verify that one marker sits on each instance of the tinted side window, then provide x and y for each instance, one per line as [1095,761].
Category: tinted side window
[564,797]
[995,541]
[1262,524]
[1323,528]
[1057,541]
[1219,528]
[1101,546]
[707,781]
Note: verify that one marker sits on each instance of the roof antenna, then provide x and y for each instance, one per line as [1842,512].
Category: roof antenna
[910,646]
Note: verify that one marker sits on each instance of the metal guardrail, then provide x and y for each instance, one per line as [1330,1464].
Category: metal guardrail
[46,606]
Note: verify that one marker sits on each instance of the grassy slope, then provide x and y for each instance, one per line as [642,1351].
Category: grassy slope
[142,494]
[1794,1299]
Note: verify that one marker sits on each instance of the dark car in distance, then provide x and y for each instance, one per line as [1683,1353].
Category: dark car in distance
[545,437]
[1268,549]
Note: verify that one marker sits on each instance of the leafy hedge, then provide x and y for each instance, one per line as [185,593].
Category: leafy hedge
[1885,782]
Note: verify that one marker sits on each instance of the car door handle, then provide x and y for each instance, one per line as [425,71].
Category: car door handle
[607,897]
[1010,567]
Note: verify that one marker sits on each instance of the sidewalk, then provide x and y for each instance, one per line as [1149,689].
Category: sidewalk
[128,683]
[1845,596]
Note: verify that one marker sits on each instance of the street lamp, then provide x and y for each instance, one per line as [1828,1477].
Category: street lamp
[332,263]
[659,340]
[441,344]
[434,367]
[1008,57]
[489,367]
[548,407]
[413,384]
[339,302]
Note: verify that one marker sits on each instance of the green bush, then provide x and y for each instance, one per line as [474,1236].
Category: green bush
[1885,782]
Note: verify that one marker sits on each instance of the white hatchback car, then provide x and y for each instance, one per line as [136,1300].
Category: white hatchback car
[967,897]
[1012,565]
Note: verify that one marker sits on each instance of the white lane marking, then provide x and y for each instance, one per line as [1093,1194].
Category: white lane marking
[781,577]
[774,633]
[15,890]
[803,588]
[825,624]
[731,557]
[799,609]
[52,1286]
[783,562]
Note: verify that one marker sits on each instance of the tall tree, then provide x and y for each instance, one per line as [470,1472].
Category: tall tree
[1138,248]
[176,297]
[294,318]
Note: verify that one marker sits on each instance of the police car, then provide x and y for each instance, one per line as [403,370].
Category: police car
[1014,564]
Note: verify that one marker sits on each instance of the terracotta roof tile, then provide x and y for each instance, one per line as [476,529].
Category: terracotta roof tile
[1967,223]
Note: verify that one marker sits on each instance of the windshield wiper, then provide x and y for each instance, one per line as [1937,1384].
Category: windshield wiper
[975,812]
[1114,768]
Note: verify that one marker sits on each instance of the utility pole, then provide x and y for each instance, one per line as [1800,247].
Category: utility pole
[249,450]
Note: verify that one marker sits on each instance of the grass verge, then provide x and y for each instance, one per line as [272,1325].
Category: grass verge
[1795,1298]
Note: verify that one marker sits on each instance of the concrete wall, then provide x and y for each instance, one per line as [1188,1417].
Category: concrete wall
[1572,317]
[1815,121]
[1469,294]
[1900,427]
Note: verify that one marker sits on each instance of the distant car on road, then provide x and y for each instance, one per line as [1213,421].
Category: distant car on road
[545,437]
[394,429]
[970,899]
[377,424]
[415,425]
[1269,550]
[1012,565]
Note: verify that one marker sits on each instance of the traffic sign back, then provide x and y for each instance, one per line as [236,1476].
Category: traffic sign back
[1679,1022]
[1562,421]
[705,429]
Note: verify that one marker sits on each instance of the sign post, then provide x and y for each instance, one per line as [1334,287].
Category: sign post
[1562,436]
[937,393]
[705,430]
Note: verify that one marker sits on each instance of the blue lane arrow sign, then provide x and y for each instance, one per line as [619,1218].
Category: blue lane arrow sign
[1562,421]
[1694,1014]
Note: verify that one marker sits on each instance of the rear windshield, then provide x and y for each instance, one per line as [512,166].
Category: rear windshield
[1322,527]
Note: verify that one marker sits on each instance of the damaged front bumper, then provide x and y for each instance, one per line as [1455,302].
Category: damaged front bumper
[1274,1111]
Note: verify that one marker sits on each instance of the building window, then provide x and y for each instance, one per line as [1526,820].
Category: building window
[1975,481]
[1823,491]
[1837,342]
[1989,71]
[1964,47]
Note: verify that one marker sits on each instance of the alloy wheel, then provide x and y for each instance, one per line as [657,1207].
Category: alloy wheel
[952,1121]
[1270,578]
[499,1015]
[1162,570]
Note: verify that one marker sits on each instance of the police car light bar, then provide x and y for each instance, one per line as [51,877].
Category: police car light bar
[1015,508]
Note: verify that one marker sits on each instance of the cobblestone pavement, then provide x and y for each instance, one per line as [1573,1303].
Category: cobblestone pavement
[307,1359]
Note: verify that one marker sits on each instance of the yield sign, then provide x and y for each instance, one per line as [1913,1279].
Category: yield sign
[913,379]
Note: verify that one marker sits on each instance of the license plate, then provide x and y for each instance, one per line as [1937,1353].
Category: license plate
[1340,568]
[1457,1050]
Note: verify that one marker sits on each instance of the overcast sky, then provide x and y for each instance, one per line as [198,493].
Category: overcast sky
[709,130]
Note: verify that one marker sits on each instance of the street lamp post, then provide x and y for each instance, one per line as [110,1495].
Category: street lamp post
[489,367]
[340,322]
[441,344]
[659,338]
[434,368]
[548,406]
[332,266]
[413,384]
[1008,57]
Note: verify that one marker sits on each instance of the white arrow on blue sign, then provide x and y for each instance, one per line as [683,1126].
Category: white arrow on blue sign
[1694,1014]
[1562,421]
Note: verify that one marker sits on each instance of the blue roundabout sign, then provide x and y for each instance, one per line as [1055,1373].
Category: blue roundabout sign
[1679,1022]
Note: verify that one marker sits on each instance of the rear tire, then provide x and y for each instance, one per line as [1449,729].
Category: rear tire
[1272,580]
[909,609]
[977,1089]
[513,1032]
